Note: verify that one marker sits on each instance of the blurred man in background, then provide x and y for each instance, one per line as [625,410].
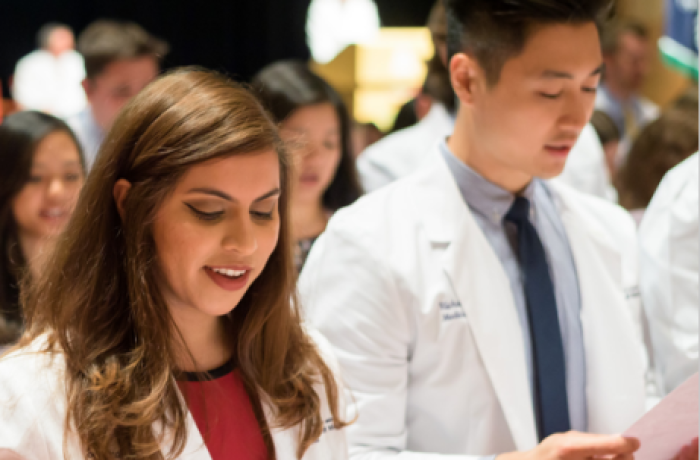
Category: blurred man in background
[626,51]
[121,58]
[49,79]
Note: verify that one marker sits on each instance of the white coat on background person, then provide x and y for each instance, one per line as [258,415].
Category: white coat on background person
[33,414]
[416,304]
[586,170]
[401,153]
[669,270]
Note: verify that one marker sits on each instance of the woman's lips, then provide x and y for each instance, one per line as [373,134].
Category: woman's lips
[229,279]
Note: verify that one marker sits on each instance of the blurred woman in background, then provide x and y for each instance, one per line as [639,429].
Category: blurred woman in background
[315,126]
[40,178]
[660,146]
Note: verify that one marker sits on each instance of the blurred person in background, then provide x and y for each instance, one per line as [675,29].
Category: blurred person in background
[609,136]
[315,126]
[364,135]
[402,152]
[660,146]
[626,51]
[669,271]
[121,58]
[436,89]
[49,79]
[41,175]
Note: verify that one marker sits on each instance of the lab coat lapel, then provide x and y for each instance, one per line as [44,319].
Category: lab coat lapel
[614,358]
[483,288]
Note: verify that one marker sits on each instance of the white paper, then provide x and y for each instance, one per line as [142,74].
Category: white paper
[670,425]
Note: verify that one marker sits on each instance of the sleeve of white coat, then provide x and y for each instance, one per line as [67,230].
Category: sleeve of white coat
[350,295]
[669,279]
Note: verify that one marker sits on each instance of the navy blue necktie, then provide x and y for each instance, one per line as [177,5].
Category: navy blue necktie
[551,402]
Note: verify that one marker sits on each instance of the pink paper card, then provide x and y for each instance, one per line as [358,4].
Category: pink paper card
[670,425]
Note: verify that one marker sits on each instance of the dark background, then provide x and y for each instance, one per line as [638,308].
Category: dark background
[238,37]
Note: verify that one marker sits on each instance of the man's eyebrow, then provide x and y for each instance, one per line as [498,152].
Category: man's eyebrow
[559,74]
[227,197]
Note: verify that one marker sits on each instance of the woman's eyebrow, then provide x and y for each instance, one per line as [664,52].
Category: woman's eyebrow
[227,197]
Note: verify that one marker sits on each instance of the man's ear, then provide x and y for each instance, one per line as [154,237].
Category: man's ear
[121,188]
[465,76]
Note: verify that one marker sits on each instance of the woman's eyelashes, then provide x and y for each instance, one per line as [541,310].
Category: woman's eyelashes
[203,215]
[211,216]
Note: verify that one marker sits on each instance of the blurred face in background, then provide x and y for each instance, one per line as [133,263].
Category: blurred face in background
[60,41]
[629,65]
[121,80]
[44,205]
[312,133]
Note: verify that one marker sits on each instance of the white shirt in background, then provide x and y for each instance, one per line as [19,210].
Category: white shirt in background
[402,152]
[333,25]
[669,268]
[586,170]
[89,134]
[50,84]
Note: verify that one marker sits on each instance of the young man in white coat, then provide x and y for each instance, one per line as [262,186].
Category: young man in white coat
[477,310]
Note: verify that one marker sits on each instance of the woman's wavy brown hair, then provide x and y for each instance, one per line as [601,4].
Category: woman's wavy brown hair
[99,306]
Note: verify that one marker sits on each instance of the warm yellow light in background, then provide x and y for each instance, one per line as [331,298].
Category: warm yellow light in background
[375,79]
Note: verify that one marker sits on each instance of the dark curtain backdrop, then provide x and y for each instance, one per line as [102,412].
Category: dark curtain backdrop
[238,37]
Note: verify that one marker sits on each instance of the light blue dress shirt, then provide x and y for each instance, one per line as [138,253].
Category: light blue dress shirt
[89,134]
[489,204]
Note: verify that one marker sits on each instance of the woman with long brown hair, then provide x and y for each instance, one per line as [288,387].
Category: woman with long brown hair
[166,325]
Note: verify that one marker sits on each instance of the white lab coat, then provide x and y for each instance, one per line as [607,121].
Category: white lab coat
[33,411]
[402,152]
[420,312]
[586,169]
[669,274]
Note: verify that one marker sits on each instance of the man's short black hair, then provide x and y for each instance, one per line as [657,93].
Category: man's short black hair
[492,31]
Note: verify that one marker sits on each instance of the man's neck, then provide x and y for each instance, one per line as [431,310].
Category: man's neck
[463,145]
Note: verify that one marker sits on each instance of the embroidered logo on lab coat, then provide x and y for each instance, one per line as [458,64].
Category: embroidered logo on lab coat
[452,310]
